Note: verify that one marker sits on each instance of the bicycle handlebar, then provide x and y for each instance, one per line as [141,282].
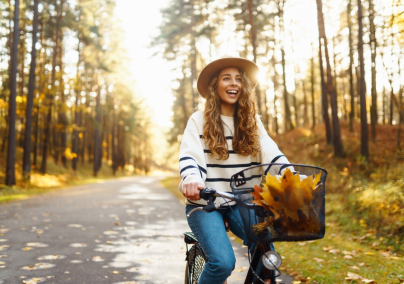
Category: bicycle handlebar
[210,194]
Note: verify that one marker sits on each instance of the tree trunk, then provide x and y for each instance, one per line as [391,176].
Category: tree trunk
[193,59]
[288,118]
[22,50]
[313,109]
[276,86]
[113,144]
[305,104]
[62,117]
[75,147]
[26,163]
[324,98]
[97,142]
[10,167]
[50,97]
[338,146]
[364,123]
[38,130]
[351,62]
[253,38]
[373,45]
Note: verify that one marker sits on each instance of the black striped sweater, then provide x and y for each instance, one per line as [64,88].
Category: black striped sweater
[195,163]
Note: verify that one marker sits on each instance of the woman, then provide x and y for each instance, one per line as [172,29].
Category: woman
[225,138]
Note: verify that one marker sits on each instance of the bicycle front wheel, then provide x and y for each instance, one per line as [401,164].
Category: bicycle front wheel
[195,264]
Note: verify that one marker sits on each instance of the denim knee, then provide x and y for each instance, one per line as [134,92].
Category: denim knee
[222,267]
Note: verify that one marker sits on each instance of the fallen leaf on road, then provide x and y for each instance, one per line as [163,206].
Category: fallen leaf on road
[3,240]
[76,261]
[51,257]
[3,256]
[75,226]
[37,245]
[115,272]
[27,248]
[117,224]
[3,247]
[132,269]
[110,232]
[97,258]
[78,245]
[40,265]
[241,269]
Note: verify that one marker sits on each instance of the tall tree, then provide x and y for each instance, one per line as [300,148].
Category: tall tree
[26,165]
[362,95]
[350,69]
[10,168]
[338,146]
[313,110]
[324,97]
[373,45]
[51,92]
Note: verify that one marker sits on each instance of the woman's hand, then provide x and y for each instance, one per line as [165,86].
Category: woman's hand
[191,190]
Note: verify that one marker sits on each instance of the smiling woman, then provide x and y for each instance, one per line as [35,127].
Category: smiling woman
[218,142]
[229,89]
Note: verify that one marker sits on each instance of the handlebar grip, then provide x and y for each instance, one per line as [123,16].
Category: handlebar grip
[206,193]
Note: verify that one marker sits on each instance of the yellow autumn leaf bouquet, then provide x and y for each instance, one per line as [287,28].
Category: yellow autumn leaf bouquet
[289,197]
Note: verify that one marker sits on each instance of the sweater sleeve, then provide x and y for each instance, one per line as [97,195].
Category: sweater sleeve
[192,163]
[270,153]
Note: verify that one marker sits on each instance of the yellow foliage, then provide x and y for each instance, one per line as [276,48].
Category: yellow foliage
[285,196]
[69,155]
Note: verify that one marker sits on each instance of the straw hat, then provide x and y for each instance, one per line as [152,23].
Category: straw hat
[249,68]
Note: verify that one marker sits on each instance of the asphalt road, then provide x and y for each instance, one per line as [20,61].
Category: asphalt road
[127,230]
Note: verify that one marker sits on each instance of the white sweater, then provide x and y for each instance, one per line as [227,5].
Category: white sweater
[197,165]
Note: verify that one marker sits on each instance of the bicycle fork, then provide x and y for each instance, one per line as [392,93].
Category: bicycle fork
[265,274]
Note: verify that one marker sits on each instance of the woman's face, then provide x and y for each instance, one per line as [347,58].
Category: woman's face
[229,86]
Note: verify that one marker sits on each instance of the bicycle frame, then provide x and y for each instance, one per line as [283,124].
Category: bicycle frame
[256,267]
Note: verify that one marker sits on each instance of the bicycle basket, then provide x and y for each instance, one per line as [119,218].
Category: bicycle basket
[281,202]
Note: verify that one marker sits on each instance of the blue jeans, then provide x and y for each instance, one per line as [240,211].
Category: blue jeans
[210,231]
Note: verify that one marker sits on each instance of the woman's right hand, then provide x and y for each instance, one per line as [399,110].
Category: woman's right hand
[191,190]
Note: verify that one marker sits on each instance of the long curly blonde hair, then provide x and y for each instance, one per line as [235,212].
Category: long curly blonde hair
[246,131]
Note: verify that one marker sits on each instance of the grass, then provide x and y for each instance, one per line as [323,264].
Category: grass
[362,236]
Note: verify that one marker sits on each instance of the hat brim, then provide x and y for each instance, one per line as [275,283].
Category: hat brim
[249,68]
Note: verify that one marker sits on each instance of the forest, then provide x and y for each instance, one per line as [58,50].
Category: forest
[66,94]
[330,94]
[330,91]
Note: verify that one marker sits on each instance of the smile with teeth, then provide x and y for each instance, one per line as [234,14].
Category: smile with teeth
[232,92]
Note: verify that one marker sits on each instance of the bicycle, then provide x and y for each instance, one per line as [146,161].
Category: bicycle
[265,262]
